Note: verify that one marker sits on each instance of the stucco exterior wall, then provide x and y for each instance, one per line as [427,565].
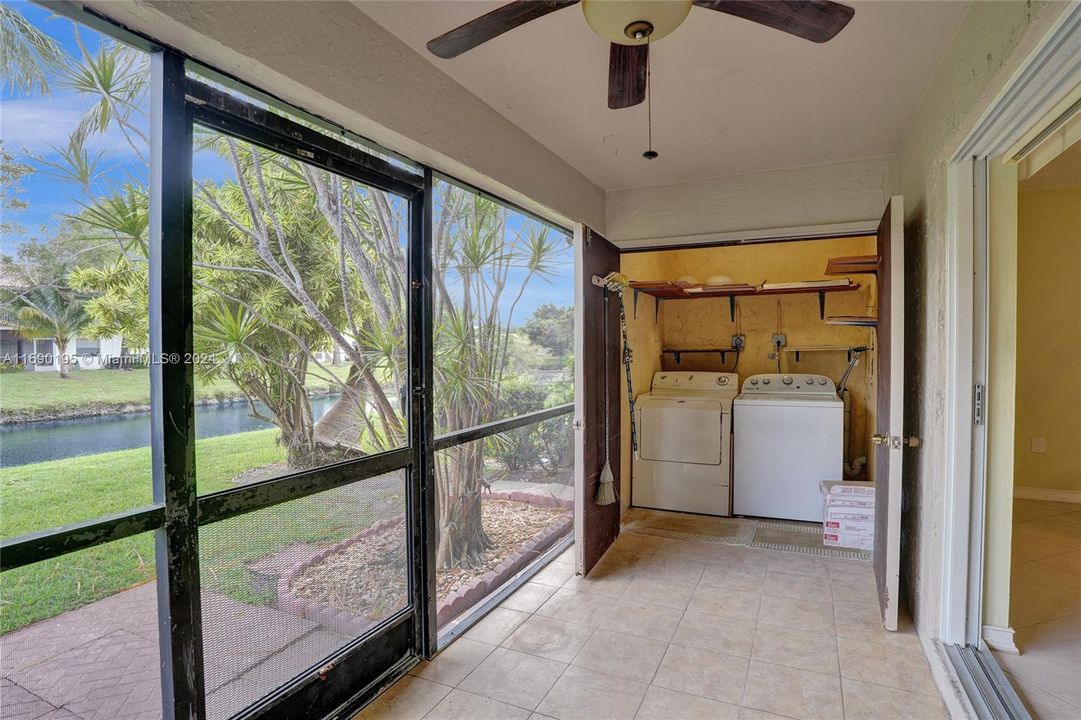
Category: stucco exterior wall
[332,60]
[993,41]
[794,197]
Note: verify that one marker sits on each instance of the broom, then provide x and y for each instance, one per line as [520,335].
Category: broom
[606,488]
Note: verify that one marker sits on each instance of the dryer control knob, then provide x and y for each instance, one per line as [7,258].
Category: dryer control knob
[810,381]
[754,382]
[821,381]
[786,380]
[722,380]
[765,381]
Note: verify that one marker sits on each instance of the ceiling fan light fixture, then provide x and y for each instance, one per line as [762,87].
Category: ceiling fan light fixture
[633,22]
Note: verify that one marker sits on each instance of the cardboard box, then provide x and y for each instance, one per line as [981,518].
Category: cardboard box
[848,514]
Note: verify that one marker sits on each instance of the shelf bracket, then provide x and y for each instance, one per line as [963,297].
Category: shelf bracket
[821,307]
[797,356]
[731,308]
[635,311]
[657,311]
[724,354]
[678,356]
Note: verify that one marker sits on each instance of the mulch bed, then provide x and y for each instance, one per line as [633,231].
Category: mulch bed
[368,579]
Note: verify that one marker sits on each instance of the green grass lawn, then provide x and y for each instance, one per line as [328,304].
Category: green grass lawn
[45,391]
[58,492]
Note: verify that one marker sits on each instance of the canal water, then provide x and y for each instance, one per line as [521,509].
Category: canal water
[59,439]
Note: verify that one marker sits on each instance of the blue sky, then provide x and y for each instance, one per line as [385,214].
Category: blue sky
[30,125]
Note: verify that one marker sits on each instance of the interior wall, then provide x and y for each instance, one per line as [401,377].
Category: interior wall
[1048,340]
[836,193]
[644,338]
[332,60]
[991,44]
[706,323]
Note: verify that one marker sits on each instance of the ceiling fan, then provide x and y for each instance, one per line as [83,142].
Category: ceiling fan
[631,25]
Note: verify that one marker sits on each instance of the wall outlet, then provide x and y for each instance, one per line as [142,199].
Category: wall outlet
[779,341]
[1039,444]
[739,341]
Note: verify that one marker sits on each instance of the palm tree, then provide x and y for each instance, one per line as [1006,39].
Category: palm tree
[52,313]
[26,54]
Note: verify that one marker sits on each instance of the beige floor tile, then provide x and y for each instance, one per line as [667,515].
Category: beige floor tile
[529,597]
[791,585]
[455,662]
[622,655]
[514,678]
[852,569]
[752,714]
[1026,548]
[1070,520]
[747,578]
[734,604]
[739,556]
[549,638]
[496,626]
[791,692]
[556,573]
[703,673]
[1065,536]
[864,701]
[700,551]
[864,622]
[582,608]
[896,667]
[613,586]
[461,705]
[1061,630]
[715,632]
[664,704]
[1026,510]
[862,591]
[1050,661]
[411,698]
[658,592]
[673,570]
[806,614]
[795,648]
[582,694]
[1043,705]
[798,564]
[1043,604]
[642,619]
[638,543]
[1070,562]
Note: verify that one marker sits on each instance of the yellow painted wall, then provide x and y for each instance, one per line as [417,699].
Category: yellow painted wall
[705,323]
[644,338]
[1049,339]
[1001,367]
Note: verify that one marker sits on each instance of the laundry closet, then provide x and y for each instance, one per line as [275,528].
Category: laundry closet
[798,314]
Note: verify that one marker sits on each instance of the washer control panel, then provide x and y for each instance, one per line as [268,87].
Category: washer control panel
[692,381]
[777,383]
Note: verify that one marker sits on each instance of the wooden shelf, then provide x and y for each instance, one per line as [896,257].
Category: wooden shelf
[854,265]
[853,320]
[665,290]
[723,352]
[798,349]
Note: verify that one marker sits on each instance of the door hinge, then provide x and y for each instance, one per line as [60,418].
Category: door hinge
[977,404]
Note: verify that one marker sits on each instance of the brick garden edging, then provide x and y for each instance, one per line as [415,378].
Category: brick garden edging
[462,599]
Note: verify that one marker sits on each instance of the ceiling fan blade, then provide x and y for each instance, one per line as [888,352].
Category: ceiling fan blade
[627,75]
[493,24]
[814,20]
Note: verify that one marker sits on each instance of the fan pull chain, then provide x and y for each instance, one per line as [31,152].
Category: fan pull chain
[650,153]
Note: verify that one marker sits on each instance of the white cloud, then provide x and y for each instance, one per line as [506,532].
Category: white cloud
[34,124]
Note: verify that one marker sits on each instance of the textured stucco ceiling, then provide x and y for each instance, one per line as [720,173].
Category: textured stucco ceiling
[729,97]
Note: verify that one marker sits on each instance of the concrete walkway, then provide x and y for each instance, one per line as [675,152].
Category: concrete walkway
[101,661]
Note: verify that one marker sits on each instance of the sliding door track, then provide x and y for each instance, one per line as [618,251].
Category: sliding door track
[991,694]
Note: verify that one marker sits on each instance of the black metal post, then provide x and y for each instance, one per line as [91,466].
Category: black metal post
[173,394]
[422,473]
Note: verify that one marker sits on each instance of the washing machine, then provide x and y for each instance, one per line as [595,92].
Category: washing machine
[685,443]
[788,433]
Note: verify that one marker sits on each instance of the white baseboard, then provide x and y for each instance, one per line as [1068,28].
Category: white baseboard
[1000,639]
[1046,494]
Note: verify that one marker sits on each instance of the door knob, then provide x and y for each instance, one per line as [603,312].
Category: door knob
[880,439]
[912,441]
